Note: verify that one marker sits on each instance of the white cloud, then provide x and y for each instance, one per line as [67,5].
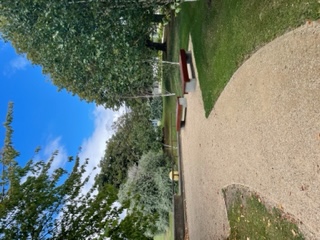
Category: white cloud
[53,146]
[19,63]
[94,147]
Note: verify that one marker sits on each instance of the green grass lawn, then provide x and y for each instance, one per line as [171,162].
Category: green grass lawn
[171,83]
[226,32]
[250,219]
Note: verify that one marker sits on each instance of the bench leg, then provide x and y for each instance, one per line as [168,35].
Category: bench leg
[189,57]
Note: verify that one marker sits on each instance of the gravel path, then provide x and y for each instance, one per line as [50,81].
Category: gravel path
[264,133]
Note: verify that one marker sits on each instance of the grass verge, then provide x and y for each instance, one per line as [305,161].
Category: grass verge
[168,235]
[250,218]
[171,83]
[226,32]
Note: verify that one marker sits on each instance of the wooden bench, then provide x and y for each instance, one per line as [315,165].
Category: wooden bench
[188,81]
[181,108]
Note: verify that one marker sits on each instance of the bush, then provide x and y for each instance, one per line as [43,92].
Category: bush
[148,189]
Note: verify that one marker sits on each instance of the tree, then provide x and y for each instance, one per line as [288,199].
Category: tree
[91,48]
[39,202]
[158,18]
[148,190]
[133,226]
[134,135]
[156,46]
[8,153]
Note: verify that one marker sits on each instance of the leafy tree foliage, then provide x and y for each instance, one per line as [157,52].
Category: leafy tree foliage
[134,136]
[38,202]
[8,153]
[156,108]
[133,226]
[148,190]
[95,49]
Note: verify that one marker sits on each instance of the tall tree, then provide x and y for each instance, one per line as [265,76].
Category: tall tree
[134,135]
[95,49]
[39,202]
[8,154]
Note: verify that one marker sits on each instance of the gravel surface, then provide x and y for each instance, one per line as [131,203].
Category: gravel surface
[263,133]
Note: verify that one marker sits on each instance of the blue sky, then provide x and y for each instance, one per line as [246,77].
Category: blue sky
[47,118]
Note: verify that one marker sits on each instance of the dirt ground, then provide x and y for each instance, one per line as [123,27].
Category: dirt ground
[263,133]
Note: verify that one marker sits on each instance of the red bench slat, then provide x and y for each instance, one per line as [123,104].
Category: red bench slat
[183,69]
[178,115]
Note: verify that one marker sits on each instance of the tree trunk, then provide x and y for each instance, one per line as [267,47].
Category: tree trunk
[156,46]
[157,18]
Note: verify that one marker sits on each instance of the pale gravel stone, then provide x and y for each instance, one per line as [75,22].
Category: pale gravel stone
[264,133]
